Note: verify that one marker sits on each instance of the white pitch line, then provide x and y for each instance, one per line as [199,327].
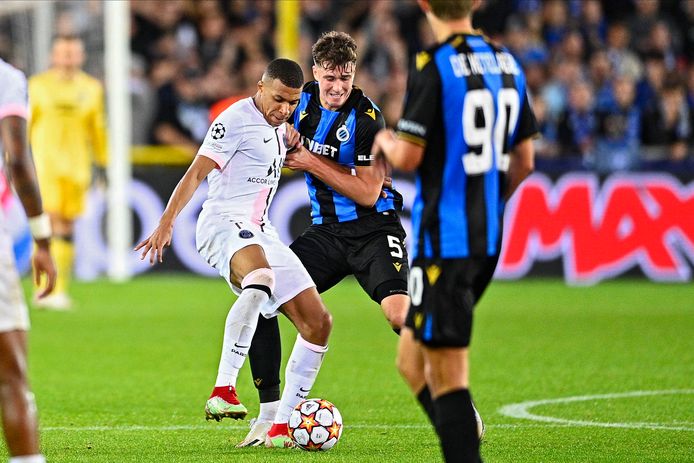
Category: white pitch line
[196,427]
[521,410]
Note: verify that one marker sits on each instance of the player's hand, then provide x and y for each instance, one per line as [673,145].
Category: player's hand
[387,185]
[156,242]
[292,139]
[43,265]
[300,159]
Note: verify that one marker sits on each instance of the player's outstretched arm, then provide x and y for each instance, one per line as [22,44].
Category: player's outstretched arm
[161,236]
[23,177]
[401,154]
[521,166]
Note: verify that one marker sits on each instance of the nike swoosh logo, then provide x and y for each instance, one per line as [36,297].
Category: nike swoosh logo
[265,141]
[242,347]
[304,390]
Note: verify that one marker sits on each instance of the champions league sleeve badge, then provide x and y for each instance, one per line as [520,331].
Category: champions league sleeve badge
[218,130]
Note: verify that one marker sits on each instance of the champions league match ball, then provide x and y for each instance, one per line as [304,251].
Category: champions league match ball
[315,424]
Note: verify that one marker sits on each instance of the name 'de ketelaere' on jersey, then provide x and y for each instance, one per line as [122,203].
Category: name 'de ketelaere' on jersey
[345,136]
[467,105]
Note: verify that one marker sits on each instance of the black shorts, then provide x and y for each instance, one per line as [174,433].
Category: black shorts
[371,248]
[444,293]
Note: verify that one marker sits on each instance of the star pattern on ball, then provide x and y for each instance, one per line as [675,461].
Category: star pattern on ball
[308,422]
[325,404]
[334,430]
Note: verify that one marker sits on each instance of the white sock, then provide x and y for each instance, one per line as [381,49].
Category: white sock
[268,410]
[299,376]
[37,458]
[238,333]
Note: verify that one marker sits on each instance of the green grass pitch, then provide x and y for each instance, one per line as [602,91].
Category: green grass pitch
[124,377]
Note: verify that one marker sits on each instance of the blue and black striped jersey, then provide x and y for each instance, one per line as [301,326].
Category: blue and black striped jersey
[467,105]
[344,136]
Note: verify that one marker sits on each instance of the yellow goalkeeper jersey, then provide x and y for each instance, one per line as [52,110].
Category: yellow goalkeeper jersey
[67,125]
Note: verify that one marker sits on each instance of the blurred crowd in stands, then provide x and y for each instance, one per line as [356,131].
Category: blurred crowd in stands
[611,81]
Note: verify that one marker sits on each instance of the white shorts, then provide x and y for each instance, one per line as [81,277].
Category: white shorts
[218,238]
[13,309]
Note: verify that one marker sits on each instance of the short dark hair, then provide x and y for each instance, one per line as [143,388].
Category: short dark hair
[287,71]
[334,49]
[451,9]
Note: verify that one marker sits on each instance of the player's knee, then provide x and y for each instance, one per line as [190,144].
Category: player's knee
[324,324]
[13,379]
[318,327]
[395,309]
[262,279]
[408,369]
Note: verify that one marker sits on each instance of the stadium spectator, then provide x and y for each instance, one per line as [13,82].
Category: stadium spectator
[624,61]
[618,129]
[593,25]
[16,399]
[577,123]
[601,73]
[181,118]
[249,140]
[456,248]
[521,44]
[546,145]
[649,86]
[564,72]
[666,122]
[555,22]
[660,41]
[68,135]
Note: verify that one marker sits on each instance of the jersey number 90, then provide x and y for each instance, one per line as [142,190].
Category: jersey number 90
[491,136]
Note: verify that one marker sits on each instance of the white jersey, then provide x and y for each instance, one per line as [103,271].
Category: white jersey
[249,154]
[13,310]
[13,94]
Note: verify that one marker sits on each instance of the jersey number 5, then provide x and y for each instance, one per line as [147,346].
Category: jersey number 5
[492,135]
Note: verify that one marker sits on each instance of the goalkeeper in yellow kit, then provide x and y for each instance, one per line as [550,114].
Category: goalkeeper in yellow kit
[67,133]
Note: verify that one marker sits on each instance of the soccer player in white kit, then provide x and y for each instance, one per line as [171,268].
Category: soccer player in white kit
[16,399]
[242,158]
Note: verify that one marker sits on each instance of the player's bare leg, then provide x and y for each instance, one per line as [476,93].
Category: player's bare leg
[250,271]
[411,365]
[313,322]
[16,400]
[395,309]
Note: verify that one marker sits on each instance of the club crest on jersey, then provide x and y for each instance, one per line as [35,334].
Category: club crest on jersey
[245,234]
[342,133]
[218,130]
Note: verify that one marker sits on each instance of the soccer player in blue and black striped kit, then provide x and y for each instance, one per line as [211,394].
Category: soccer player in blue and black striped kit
[355,227]
[467,130]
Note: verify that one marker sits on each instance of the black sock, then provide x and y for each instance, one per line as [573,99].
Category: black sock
[457,428]
[265,357]
[427,404]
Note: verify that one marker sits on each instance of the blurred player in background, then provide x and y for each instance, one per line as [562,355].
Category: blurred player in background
[467,130]
[242,158]
[16,400]
[67,133]
[356,229]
